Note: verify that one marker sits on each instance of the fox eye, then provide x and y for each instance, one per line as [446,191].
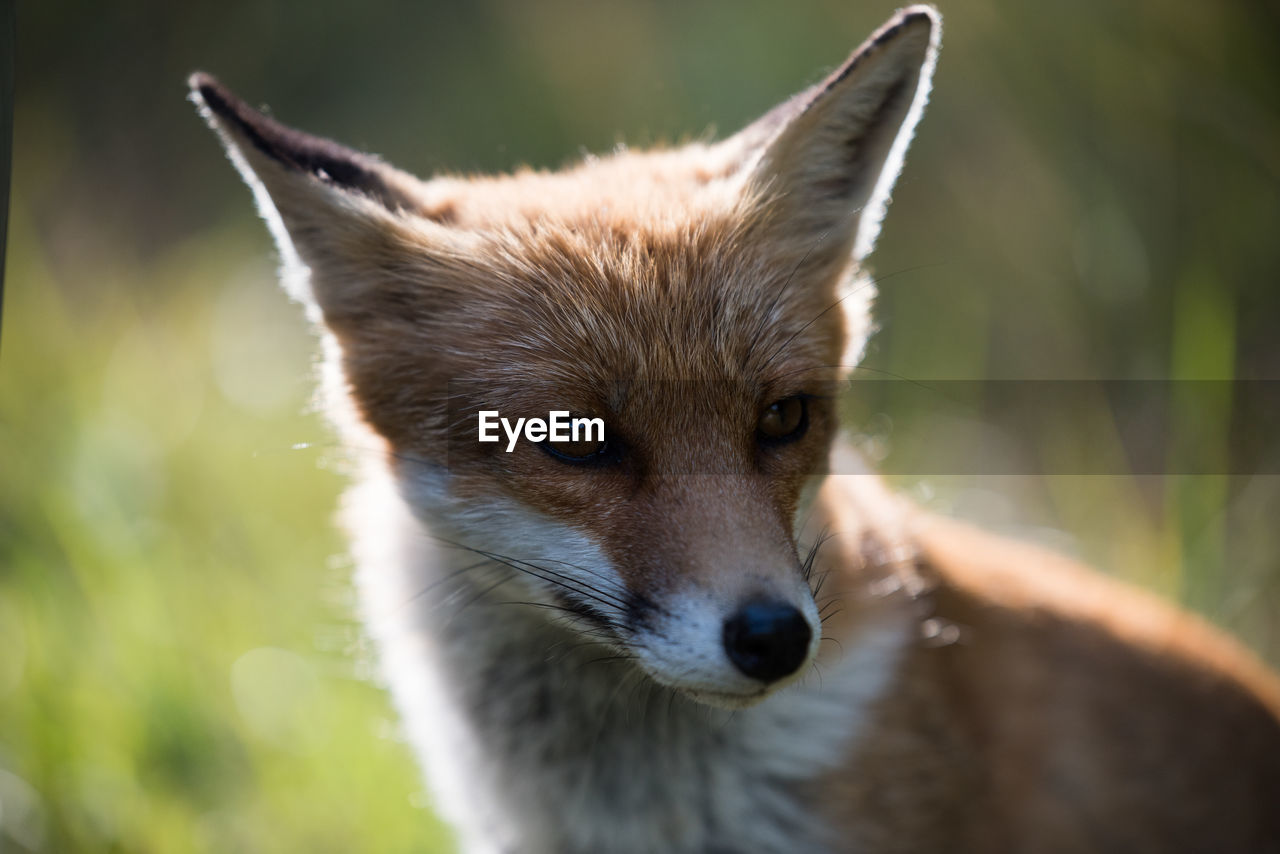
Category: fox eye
[784,420]
[586,451]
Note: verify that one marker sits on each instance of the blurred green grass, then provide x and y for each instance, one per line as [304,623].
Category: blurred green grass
[1095,190]
[180,672]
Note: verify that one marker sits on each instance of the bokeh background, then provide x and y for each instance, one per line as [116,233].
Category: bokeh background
[1094,193]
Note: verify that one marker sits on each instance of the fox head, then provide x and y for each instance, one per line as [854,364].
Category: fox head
[701,300]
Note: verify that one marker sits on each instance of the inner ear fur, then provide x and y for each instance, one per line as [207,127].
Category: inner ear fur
[830,155]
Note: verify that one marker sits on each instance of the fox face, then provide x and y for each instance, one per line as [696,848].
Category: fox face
[703,302]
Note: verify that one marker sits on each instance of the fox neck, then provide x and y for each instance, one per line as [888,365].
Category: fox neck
[537,741]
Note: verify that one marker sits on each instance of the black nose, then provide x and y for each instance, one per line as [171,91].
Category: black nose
[767,640]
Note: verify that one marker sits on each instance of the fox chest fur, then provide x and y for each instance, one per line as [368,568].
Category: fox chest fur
[684,636]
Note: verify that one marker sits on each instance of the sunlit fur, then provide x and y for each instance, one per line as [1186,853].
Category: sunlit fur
[552,633]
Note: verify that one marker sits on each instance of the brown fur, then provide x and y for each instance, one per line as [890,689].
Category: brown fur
[1059,711]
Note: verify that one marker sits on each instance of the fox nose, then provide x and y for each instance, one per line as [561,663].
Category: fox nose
[767,640]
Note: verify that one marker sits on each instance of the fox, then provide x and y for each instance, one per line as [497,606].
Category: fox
[712,627]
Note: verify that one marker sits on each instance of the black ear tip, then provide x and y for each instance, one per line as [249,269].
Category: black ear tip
[322,159]
[206,89]
[920,14]
[920,23]
[918,19]
[200,79]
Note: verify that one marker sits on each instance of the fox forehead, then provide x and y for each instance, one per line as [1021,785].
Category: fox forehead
[557,299]
[601,315]
[693,297]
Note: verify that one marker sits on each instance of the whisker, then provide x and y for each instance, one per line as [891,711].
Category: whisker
[495,555]
[439,582]
[479,594]
[550,576]
[609,659]
[605,633]
[817,670]
[806,568]
[822,580]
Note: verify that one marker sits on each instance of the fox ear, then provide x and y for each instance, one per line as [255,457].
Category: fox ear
[335,213]
[830,155]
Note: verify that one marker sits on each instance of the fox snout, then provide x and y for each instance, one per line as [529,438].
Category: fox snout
[729,655]
[730,637]
[726,610]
